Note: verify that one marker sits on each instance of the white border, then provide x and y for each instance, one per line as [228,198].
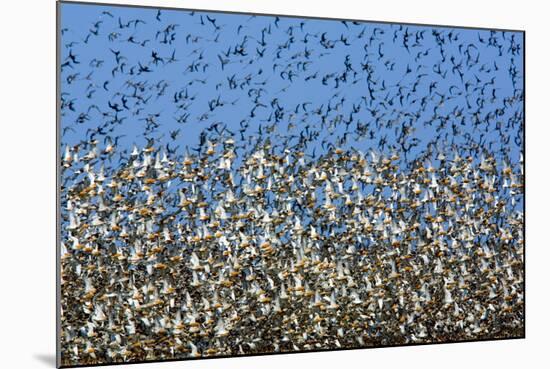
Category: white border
[27,182]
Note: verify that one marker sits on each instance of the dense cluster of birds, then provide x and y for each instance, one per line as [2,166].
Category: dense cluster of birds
[235,184]
[167,259]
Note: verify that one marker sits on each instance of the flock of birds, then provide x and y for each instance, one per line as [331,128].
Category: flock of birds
[235,184]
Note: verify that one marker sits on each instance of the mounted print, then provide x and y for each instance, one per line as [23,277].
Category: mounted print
[239,184]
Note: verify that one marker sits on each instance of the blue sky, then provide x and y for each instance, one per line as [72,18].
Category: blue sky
[421,76]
